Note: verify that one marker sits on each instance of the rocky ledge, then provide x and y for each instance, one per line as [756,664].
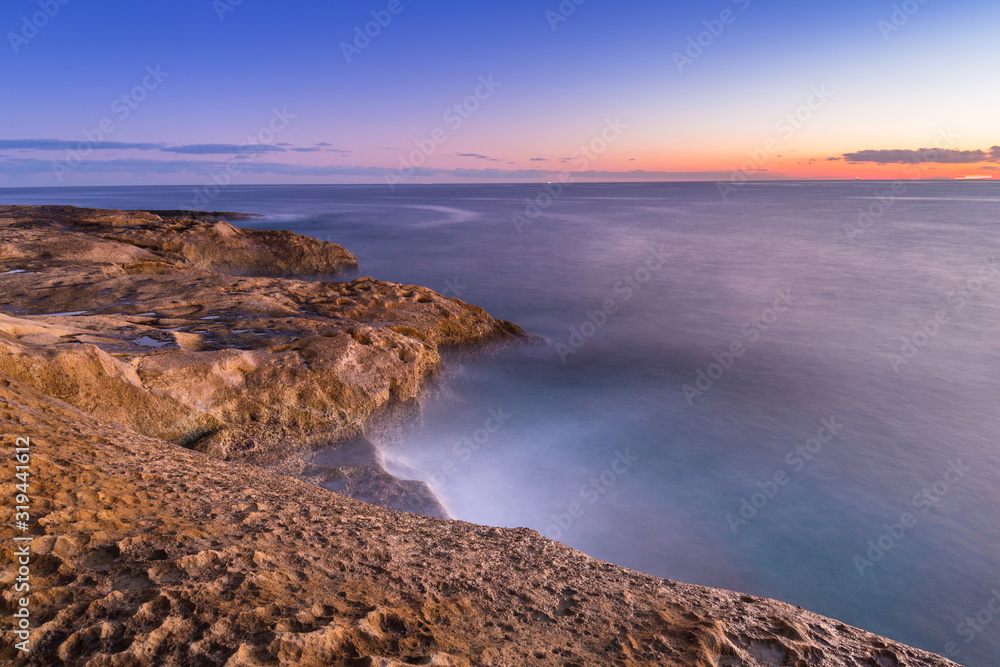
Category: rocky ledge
[164,389]
[164,324]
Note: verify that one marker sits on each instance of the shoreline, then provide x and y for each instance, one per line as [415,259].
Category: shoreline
[264,360]
[151,332]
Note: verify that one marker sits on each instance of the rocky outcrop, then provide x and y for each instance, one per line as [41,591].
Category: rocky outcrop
[187,508]
[139,320]
[203,242]
[145,553]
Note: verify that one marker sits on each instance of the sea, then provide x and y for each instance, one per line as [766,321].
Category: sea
[792,390]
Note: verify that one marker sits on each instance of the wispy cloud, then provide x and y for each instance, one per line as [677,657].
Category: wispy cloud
[921,155]
[190,149]
[25,166]
[64,145]
[539,159]
[223,149]
[478,156]
[319,148]
[28,166]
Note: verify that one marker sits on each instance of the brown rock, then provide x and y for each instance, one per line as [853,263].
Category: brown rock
[146,553]
[125,335]
[246,368]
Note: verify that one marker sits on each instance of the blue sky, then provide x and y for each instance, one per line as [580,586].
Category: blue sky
[896,80]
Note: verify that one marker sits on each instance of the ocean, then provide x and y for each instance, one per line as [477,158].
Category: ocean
[791,392]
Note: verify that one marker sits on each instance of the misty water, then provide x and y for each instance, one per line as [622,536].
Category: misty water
[764,394]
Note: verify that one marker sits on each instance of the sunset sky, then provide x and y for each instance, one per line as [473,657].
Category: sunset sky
[121,93]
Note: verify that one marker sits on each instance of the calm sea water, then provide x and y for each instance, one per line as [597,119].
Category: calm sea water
[743,394]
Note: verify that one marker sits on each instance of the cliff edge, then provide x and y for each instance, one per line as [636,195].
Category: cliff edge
[162,387]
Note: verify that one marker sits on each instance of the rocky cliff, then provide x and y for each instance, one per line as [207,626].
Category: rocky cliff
[153,323]
[165,385]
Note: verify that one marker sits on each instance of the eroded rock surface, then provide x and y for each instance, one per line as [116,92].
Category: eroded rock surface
[138,319]
[150,554]
[162,391]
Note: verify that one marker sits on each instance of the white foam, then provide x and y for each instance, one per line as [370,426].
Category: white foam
[453,216]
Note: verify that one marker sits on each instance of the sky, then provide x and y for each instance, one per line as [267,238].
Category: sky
[412,91]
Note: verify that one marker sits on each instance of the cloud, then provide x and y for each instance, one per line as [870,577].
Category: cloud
[539,159]
[922,155]
[475,155]
[222,149]
[205,168]
[64,145]
[323,143]
[82,146]
[995,153]
[319,147]
[833,159]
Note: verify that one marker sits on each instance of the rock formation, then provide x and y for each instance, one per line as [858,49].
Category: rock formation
[165,385]
[153,323]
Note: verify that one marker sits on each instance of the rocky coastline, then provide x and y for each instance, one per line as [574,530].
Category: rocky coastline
[200,401]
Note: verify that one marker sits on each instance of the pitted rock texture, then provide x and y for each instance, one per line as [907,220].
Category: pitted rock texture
[162,390]
[146,553]
[139,320]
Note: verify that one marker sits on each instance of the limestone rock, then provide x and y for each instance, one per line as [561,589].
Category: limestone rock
[146,553]
[154,323]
